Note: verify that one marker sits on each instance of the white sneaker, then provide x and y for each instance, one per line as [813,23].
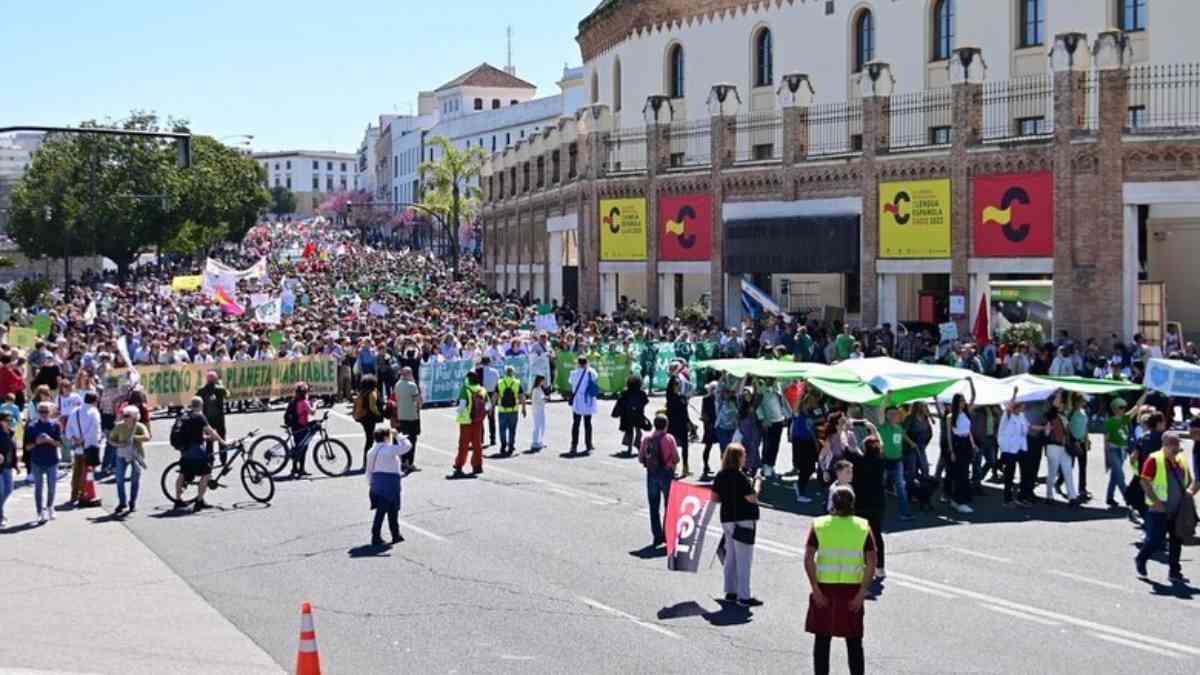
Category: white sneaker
[881,573]
[3,522]
[768,471]
[963,508]
[50,513]
[41,517]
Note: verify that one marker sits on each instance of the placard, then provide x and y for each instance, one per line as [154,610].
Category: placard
[1013,215]
[685,224]
[623,230]
[914,219]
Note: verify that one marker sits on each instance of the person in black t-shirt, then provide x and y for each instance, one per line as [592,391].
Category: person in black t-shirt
[739,519]
[195,460]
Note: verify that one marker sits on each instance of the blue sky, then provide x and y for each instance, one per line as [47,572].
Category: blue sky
[295,74]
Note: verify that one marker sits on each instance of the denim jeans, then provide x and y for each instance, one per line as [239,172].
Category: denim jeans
[1159,527]
[724,438]
[1116,472]
[894,470]
[658,492]
[508,430]
[6,487]
[135,481]
[47,475]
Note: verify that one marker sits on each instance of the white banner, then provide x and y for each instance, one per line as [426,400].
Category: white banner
[270,312]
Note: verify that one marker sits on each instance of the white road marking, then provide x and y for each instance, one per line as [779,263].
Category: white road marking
[1089,580]
[1053,616]
[915,587]
[976,554]
[1021,615]
[419,530]
[629,617]
[1136,645]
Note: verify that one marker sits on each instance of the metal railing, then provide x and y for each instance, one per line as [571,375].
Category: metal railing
[691,143]
[921,119]
[834,128]
[758,136]
[1019,108]
[625,151]
[1164,98]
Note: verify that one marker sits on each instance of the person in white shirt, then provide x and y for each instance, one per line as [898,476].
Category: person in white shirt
[539,413]
[583,403]
[82,430]
[67,402]
[384,471]
[1013,439]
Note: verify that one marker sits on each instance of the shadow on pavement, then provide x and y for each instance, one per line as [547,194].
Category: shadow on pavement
[1181,590]
[623,455]
[370,551]
[650,552]
[14,529]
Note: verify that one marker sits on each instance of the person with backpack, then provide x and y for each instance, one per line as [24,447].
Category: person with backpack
[297,418]
[188,434]
[585,388]
[367,411]
[659,455]
[214,395]
[472,411]
[511,398]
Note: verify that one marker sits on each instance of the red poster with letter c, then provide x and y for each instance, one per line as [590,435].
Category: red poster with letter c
[1013,215]
[685,224]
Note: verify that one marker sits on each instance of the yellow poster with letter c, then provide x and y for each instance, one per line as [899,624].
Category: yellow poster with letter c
[623,230]
[914,219]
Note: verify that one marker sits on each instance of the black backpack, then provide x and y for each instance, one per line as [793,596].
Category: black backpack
[290,417]
[654,454]
[508,399]
[178,435]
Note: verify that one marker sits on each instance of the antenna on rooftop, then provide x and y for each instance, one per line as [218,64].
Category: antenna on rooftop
[509,67]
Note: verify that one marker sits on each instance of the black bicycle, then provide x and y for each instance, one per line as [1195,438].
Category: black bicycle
[255,478]
[331,456]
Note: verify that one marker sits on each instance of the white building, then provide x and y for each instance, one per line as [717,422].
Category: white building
[364,179]
[310,175]
[16,156]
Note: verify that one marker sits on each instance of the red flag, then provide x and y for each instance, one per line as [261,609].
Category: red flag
[983,333]
[310,250]
[689,509]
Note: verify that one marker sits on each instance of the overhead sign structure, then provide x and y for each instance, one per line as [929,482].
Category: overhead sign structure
[623,230]
[685,227]
[914,219]
[1013,215]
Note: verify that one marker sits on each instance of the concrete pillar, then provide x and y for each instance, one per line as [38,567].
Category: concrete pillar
[554,261]
[795,95]
[1118,221]
[877,87]
[723,103]
[967,71]
[666,294]
[657,114]
[1129,272]
[1074,278]
[888,299]
[595,125]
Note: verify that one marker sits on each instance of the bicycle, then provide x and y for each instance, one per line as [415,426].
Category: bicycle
[256,480]
[331,456]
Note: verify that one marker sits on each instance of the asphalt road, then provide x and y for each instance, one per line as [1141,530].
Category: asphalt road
[537,567]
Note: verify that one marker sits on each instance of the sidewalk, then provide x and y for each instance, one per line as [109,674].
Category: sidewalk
[83,595]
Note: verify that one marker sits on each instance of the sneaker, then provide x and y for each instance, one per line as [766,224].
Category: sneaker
[907,517]
[1112,504]
[41,517]
[50,513]
[132,507]
[3,522]
[119,510]
[964,509]
[457,473]
[801,499]
[1140,565]
[397,538]
[200,506]
[750,602]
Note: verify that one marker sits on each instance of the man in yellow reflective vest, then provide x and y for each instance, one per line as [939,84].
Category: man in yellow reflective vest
[472,411]
[1170,487]
[509,399]
[840,562]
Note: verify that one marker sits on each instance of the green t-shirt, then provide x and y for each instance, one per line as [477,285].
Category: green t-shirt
[843,345]
[1116,430]
[893,441]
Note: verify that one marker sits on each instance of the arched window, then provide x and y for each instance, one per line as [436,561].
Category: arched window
[495,104]
[943,29]
[616,94]
[764,59]
[675,72]
[864,40]
[595,88]
[1131,15]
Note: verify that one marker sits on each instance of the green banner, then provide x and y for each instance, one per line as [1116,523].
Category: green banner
[612,370]
[244,380]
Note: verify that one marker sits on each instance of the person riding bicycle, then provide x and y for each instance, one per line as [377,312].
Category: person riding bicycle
[190,431]
[298,419]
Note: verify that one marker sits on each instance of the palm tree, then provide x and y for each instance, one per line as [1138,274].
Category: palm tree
[448,192]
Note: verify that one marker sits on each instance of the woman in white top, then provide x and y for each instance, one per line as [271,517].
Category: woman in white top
[539,413]
[962,451]
[1013,438]
[384,471]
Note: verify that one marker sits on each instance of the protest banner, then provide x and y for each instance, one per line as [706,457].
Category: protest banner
[441,382]
[689,509]
[276,338]
[244,380]
[22,338]
[187,283]
[1173,377]
[270,312]
[612,370]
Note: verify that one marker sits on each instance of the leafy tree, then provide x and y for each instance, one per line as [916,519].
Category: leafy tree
[29,292]
[449,194]
[195,239]
[283,201]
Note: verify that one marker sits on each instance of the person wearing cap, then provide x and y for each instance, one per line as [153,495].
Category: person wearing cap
[1170,489]
[128,438]
[1117,445]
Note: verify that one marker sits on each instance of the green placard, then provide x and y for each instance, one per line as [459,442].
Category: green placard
[276,338]
[41,324]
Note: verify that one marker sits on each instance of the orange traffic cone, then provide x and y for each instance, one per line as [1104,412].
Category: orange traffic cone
[308,660]
[89,490]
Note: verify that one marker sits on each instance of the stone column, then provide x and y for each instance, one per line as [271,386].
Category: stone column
[1118,221]
[795,95]
[723,103]
[877,87]
[1074,279]
[595,125]
[657,114]
[967,70]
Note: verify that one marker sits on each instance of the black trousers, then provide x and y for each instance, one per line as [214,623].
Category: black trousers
[393,515]
[875,520]
[1031,463]
[804,461]
[587,431]
[1009,463]
[369,433]
[492,425]
[964,454]
[771,439]
[854,654]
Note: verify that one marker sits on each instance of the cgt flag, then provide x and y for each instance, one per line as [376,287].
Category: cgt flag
[688,511]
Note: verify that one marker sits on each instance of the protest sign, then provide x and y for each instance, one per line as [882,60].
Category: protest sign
[22,338]
[270,312]
[1173,378]
[41,324]
[187,283]
[689,509]
[276,338]
[441,382]
[244,380]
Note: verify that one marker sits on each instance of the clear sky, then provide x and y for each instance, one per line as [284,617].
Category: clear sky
[301,74]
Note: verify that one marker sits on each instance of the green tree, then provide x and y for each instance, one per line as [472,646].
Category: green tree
[449,194]
[196,239]
[283,201]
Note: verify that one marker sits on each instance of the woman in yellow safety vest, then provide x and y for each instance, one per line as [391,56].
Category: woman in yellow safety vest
[840,562]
